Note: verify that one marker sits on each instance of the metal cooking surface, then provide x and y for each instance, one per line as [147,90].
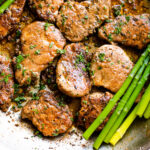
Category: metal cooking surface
[16,135]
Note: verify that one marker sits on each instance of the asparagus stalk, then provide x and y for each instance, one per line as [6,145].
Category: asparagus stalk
[124,127]
[129,103]
[99,120]
[144,102]
[147,112]
[120,106]
[5,5]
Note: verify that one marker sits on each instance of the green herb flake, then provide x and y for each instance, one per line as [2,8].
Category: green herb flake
[37,52]
[110,37]
[51,45]
[32,46]
[86,17]
[61,51]
[127,18]
[47,25]
[101,56]
[85,102]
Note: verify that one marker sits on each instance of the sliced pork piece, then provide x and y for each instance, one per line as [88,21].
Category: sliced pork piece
[77,20]
[6,83]
[131,31]
[91,106]
[71,73]
[11,17]
[46,9]
[41,42]
[110,67]
[46,114]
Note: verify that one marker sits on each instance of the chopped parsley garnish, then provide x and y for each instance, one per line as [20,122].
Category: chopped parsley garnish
[86,17]
[19,100]
[84,69]
[18,33]
[85,102]
[117,10]
[42,87]
[32,46]
[128,18]
[80,58]
[35,110]
[5,77]
[61,51]
[38,133]
[37,52]
[63,19]
[40,5]
[99,67]
[35,96]
[101,56]
[108,21]
[110,37]
[55,134]
[47,25]
[117,30]
[19,59]
[51,45]
[23,72]
[92,73]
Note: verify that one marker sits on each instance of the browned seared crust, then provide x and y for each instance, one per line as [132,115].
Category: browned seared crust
[40,43]
[46,114]
[131,31]
[77,20]
[10,18]
[46,9]
[91,106]
[110,66]
[70,75]
[6,83]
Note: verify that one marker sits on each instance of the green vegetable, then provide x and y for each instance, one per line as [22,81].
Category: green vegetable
[116,97]
[5,5]
[129,104]
[124,127]
[61,51]
[147,112]
[144,102]
[120,106]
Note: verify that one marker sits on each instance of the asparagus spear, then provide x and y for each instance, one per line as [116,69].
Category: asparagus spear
[117,96]
[120,106]
[5,5]
[124,127]
[129,104]
[147,112]
[144,102]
